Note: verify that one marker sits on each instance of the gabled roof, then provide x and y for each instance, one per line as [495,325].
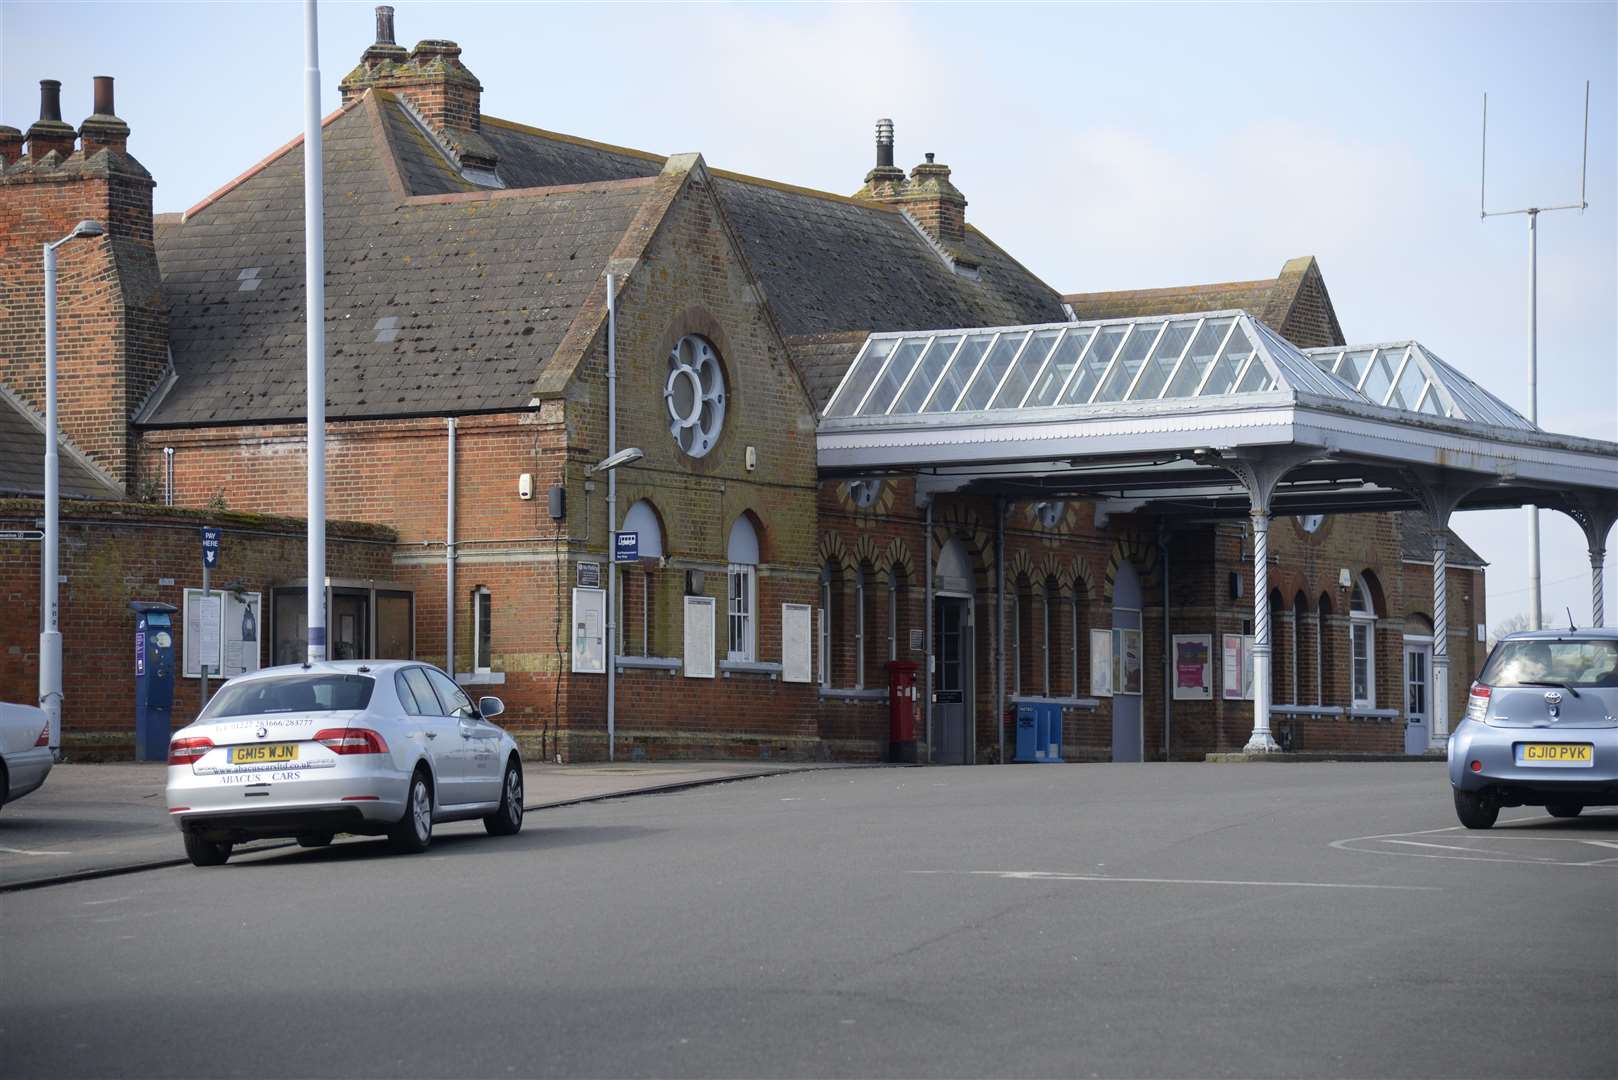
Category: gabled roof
[446,296]
[1294,303]
[447,302]
[22,458]
[830,263]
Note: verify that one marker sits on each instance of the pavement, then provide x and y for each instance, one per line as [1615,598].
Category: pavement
[101,819]
[1147,920]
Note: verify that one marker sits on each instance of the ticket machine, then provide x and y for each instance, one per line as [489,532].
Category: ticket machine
[154,679]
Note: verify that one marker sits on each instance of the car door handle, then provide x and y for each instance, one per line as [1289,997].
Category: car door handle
[431,734]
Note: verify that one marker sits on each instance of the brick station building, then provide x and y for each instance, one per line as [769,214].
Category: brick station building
[467,335]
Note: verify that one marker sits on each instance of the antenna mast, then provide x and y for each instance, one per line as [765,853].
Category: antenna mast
[1535,613]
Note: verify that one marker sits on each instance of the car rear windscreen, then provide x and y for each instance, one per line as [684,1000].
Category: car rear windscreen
[1553,663]
[291,693]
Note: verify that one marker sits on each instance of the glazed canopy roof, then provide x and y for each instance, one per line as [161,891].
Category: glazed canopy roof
[1189,409]
[1162,360]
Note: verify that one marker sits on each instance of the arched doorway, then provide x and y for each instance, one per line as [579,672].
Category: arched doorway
[952,645]
[1128,665]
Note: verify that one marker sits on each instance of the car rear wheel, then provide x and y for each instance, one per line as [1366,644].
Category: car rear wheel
[507,818]
[204,852]
[1476,810]
[1563,809]
[414,830]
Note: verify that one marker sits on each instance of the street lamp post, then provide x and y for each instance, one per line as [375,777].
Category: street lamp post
[608,465]
[50,636]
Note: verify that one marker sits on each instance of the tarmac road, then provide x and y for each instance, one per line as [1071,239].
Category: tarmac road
[1158,920]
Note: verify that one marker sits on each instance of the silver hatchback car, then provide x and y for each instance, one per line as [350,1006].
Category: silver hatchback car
[309,751]
[1541,727]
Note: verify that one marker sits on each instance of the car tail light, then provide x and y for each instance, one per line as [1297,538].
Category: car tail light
[44,735]
[352,741]
[1477,702]
[188,751]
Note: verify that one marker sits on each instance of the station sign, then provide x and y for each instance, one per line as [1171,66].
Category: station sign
[589,575]
[626,547]
[21,534]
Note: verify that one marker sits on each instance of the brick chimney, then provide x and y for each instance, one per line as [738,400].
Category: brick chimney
[936,203]
[927,196]
[10,145]
[113,325]
[102,130]
[48,134]
[446,97]
[884,182]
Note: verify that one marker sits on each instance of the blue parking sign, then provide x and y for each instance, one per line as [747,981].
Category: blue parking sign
[210,547]
[625,547]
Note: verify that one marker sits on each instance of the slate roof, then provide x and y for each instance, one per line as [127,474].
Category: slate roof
[821,360]
[445,297]
[1416,543]
[832,264]
[22,458]
[434,305]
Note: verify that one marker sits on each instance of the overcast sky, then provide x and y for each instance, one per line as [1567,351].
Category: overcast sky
[1105,147]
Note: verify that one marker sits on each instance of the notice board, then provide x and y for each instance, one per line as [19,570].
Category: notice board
[699,650]
[797,648]
[589,631]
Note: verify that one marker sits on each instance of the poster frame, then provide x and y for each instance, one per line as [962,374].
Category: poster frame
[588,660]
[1204,690]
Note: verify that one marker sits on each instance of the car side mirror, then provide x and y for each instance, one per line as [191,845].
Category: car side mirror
[490,707]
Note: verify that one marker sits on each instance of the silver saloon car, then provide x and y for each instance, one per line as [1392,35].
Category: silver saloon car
[25,750]
[1541,727]
[309,751]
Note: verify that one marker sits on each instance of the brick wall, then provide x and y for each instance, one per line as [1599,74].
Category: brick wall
[112,326]
[112,553]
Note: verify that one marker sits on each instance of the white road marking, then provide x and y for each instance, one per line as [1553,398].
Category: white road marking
[1470,854]
[1046,875]
[1456,847]
[27,851]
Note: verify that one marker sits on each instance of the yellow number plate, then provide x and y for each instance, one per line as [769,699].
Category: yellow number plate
[1556,754]
[264,753]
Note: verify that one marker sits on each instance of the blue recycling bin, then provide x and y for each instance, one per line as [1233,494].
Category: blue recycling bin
[1053,732]
[1030,747]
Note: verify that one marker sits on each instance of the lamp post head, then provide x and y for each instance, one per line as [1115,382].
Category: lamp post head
[626,456]
[88,227]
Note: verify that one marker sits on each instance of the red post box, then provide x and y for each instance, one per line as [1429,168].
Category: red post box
[903,705]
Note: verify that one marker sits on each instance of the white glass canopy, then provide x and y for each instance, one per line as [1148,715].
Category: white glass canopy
[1163,359]
[1405,375]
[1215,354]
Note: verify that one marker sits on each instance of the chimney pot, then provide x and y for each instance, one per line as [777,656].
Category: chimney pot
[50,99]
[929,157]
[48,135]
[102,130]
[884,144]
[103,96]
[384,25]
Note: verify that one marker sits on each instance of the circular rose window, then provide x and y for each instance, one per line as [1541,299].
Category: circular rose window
[695,395]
